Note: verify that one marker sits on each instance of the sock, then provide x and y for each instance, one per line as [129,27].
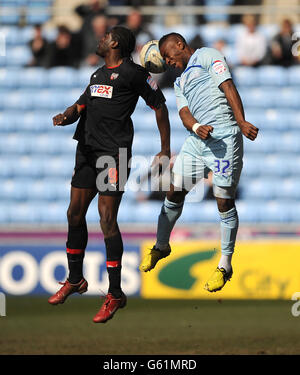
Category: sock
[114,252]
[229,228]
[76,244]
[75,263]
[169,214]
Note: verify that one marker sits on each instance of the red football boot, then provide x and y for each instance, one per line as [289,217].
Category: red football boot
[66,290]
[109,307]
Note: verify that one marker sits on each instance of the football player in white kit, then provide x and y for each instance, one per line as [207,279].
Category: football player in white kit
[212,111]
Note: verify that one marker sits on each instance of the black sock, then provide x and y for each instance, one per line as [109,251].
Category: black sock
[75,263]
[114,252]
[76,244]
[114,276]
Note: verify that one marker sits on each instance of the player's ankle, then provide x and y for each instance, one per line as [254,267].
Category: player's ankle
[162,247]
[225,262]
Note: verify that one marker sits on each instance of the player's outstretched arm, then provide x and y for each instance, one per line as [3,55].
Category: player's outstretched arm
[70,115]
[234,100]
[163,124]
[203,131]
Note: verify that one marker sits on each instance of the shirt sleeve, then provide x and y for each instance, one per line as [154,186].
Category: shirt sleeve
[146,87]
[215,63]
[82,101]
[181,100]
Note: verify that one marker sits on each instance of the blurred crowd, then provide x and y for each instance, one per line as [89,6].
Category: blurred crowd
[76,49]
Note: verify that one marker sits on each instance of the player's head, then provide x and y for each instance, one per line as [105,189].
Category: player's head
[175,50]
[119,39]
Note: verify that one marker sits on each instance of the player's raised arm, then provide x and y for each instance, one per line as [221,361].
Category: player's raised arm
[234,100]
[70,115]
[163,124]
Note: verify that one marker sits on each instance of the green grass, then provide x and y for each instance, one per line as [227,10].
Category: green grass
[32,326]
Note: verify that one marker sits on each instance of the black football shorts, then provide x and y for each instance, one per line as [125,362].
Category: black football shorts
[95,170]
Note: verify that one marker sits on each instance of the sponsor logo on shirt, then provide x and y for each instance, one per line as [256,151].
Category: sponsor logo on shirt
[114,76]
[218,67]
[101,91]
[152,83]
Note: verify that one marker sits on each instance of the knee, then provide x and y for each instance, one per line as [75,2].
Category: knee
[176,196]
[75,216]
[225,205]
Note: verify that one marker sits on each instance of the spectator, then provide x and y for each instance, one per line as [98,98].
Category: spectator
[281,45]
[99,28]
[38,46]
[226,50]
[61,52]
[197,42]
[251,45]
[87,12]
[135,23]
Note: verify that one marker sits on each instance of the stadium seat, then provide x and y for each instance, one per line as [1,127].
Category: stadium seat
[83,77]
[293,78]
[146,143]
[245,76]
[9,78]
[186,30]
[266,142]
[290,142]
[34,78]
[18,56]
[63,77]
[271,75]
[203,212]
[211,33]
[277,165]
[28,212]
[294,119]
[58,166]
[258,97]
[55,144]
[287,97]
[259,188]
[35,121]
[274,119]
[9,189]
[170,99]
[19,100]
[145,212]
[274,212]
[8,121]
[288,188]
[249,211]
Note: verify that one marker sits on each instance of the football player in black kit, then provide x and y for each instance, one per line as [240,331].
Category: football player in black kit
[104,131]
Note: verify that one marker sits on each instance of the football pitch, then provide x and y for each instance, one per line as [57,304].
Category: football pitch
[32,326]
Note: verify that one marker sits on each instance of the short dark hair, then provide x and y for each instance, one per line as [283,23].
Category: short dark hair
[125,38]
[163,39]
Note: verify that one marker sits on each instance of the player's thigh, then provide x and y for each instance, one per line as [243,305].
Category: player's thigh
[225,159]
[189,167]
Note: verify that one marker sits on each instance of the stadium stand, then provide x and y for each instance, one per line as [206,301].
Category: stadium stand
[36,159]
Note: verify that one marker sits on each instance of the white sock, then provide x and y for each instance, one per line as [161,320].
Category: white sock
[225,262]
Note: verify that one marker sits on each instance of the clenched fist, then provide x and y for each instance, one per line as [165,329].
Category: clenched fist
[204,131]
[59,119]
